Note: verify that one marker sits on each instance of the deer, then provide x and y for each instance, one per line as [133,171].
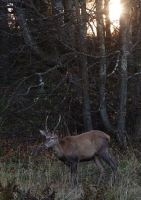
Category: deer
[91,145]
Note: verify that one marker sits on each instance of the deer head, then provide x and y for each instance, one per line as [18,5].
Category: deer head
[51,137]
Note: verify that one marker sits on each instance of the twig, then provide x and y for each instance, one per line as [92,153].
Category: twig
[66,92]
[116,66]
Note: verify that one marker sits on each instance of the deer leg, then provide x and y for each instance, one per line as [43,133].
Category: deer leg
[101,168]
[106,157]
[74,178]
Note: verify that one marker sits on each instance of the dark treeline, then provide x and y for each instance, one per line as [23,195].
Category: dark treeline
[50,65]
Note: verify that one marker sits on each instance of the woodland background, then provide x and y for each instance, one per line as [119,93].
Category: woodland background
[51,65]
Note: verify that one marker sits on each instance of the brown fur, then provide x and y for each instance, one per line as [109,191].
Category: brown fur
[86,146]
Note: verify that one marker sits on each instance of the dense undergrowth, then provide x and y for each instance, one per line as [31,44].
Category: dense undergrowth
[35,174]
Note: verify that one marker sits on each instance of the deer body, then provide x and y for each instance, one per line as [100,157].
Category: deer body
[81,147]
[86,146]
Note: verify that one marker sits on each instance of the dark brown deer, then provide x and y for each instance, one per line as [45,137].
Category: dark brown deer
[84,147]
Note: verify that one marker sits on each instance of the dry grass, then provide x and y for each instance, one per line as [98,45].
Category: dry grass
[41,175]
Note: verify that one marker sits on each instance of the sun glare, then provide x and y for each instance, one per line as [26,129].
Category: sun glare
[115,10]
[114,15]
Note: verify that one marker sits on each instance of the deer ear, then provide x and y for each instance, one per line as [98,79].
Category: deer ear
[42,133]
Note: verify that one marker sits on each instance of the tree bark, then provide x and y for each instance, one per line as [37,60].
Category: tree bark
[107,18]
[4,38]
[68,10]
[137,80]
[102,69]
[57,11]
[122,102]
[124,31]
[82,28]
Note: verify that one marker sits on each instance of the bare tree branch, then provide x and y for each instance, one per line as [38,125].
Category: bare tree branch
[29,39]
[116,66]
[70,78]
[136,74]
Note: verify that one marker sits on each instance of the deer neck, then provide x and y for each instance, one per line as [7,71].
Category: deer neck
[58,150]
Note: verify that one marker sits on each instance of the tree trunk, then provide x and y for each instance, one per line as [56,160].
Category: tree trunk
[68,10]
[124,31]
[137,97]
[69,26]
[57,11]
[137,86]
[4,38]
[122,102]
[82,29]
[103,68]
[107,18]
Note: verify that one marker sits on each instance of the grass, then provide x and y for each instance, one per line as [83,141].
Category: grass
[47,178]
[129,180]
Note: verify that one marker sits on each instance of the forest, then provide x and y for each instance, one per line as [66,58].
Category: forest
[69,58]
